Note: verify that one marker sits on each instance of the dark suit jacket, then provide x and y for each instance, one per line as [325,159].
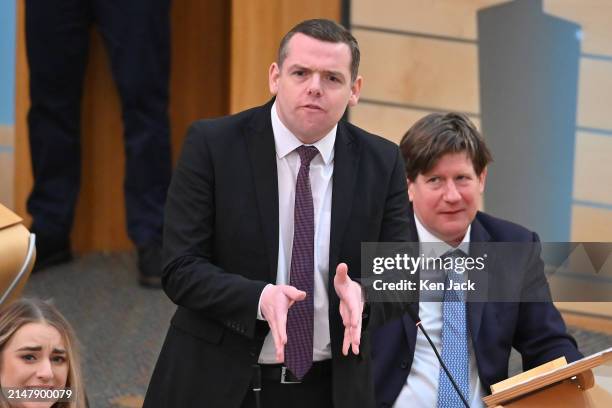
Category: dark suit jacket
[535,329]
[221,249]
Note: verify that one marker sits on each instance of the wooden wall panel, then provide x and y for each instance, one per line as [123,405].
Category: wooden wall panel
[388,121]
[452,18]
[457,18]
[199,84]
[257,28]
[419,71]
[591,224]
[592,169]
[595,94]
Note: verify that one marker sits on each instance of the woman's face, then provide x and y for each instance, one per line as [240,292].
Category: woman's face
[34,357]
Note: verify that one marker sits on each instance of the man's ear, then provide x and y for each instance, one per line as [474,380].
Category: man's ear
[355,90]
[482,178]
[410,189]
[273,76]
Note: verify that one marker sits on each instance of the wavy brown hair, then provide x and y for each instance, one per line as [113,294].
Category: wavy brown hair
[437,134]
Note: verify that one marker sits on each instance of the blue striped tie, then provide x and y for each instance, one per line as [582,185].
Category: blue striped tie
[454,343]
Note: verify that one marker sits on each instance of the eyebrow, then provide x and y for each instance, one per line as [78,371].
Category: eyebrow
[39,348]
[298,66]
[30,348]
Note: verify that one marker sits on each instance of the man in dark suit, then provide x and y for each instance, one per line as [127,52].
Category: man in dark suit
[261,258]
[446,166]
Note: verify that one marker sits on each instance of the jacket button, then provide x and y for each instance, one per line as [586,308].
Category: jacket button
[404,364]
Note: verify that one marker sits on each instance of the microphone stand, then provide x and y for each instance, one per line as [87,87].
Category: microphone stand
[256,384]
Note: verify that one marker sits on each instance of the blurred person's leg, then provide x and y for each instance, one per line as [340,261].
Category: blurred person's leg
[57,40]
[137,35]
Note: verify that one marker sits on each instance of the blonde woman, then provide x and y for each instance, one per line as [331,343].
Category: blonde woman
[38,353]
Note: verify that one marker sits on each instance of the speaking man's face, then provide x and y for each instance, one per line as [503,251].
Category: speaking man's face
[446,199]
[313,87]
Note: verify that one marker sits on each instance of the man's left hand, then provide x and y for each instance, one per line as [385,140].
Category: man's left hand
[351,308]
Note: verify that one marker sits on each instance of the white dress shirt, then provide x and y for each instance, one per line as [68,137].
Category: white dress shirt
[321,171]
[421,388]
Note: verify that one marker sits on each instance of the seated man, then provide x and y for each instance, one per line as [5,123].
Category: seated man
[446,167]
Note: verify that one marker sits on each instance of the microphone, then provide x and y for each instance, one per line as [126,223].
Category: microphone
[415,318]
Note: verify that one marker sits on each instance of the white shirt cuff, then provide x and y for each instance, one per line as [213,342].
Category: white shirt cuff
[259,314]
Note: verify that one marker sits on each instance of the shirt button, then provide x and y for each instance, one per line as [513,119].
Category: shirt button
[404,364]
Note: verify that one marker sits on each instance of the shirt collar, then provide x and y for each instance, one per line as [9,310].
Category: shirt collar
[440,247]
[286,142]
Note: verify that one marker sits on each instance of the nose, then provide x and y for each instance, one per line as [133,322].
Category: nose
[314,86]
[451,194]
[44,370]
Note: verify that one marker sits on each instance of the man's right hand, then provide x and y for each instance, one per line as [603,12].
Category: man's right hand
[275,303]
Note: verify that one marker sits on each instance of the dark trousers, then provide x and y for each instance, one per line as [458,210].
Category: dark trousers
[314,391]
[137,36]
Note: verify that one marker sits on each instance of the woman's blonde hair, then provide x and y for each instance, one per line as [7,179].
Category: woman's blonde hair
[24,311]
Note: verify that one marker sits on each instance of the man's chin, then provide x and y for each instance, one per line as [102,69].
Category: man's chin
[313,134]
[454,234]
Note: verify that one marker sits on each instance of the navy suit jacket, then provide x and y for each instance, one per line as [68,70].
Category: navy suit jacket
[535,329]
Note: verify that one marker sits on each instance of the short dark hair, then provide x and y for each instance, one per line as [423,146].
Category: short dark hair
[324,30]
[437,134]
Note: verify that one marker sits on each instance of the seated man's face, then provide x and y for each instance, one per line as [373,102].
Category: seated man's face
[313,87]
[446,199]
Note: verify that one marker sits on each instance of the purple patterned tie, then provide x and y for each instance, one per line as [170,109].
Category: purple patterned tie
[298,351]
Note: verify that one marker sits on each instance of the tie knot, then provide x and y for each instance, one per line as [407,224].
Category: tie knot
[454,253]
[456,269]
[307,153]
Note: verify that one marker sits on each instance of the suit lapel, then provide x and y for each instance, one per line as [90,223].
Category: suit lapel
[480,237]
[409,325]
[262,153]
[346,161]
